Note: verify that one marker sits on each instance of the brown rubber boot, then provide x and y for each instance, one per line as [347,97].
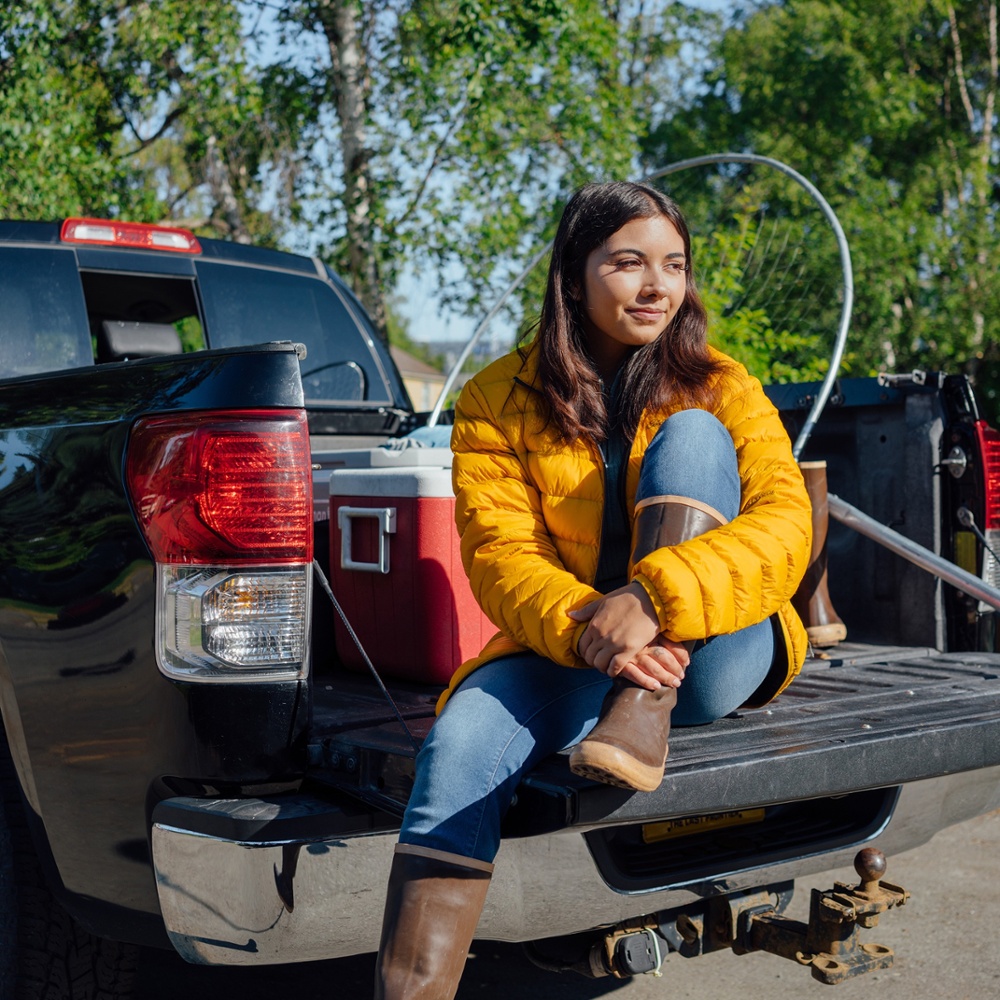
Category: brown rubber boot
[628,746]
[812,599]
[432,907]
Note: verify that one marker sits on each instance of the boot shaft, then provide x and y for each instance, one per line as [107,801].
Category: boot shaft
[432,906]
[812,599]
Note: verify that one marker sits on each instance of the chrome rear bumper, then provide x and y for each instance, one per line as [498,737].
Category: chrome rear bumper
[244,882]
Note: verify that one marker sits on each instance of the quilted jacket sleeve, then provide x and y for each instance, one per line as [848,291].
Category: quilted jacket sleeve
[739,574]
[513,566]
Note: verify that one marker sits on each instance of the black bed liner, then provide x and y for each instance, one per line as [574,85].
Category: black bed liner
[866,717]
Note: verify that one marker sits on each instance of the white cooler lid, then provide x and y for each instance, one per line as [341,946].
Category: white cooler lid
[385,484]
[384,458]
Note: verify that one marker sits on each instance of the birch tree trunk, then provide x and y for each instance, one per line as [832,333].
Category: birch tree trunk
[340,22]
[974,187]
[227,205]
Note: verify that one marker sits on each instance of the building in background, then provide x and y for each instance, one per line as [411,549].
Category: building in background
[423,381]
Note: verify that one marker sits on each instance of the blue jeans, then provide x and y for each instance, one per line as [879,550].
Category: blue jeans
[511,713]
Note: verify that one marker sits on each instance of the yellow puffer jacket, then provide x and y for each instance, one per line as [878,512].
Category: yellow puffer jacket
[529,510]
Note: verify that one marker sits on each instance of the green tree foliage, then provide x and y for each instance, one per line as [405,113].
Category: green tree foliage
[469,124]
[59,128]
[439,135]
[136,109]
[889,107]
[749,330]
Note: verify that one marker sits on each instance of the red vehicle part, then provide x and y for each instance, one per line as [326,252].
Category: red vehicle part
[224,501]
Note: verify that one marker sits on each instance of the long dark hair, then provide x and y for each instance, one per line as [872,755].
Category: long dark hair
[676,364]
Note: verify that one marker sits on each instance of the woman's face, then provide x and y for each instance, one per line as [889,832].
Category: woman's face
[633,286]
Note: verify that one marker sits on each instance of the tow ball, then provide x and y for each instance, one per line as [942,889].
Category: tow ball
[830,942]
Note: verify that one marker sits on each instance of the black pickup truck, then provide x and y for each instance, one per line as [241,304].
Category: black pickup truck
[188,763]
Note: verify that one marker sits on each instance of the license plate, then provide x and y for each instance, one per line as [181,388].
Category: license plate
[652,832]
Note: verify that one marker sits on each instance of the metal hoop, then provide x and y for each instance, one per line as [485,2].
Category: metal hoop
[840,342]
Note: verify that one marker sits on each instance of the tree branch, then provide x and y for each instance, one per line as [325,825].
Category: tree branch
[180,196]
[960,67]
[226,202]
[145,143]
[638,36]
[991,91]
[436,157]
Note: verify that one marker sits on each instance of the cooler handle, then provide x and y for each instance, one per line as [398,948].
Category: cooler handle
[386,516]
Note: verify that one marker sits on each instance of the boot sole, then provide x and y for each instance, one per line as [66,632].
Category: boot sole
[827,635]
[613,766]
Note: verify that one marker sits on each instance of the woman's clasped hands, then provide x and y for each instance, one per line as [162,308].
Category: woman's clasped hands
[623,639]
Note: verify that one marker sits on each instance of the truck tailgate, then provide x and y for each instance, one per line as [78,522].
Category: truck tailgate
[867,717]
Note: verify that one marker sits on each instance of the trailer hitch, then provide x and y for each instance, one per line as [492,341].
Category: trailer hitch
[744,922]
[830,942]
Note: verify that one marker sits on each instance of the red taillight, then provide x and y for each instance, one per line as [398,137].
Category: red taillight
[989,449]
[138,235]
[223,487]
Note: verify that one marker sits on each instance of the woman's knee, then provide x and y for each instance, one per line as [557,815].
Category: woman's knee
[723,674]
[496,725]
[692,455]
[459,779]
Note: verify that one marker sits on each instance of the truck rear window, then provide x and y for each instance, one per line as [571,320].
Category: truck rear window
[246,306]
[43,322]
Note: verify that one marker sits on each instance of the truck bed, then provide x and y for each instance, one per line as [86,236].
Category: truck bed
[857,723]
[864,746]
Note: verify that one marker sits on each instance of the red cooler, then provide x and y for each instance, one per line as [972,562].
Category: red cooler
[396,568]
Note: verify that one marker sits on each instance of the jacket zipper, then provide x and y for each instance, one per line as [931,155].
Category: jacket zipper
[618,489]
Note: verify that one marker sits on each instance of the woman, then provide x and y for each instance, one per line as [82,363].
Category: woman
[634,522]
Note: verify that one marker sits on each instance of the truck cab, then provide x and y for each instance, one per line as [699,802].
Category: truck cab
[197,754]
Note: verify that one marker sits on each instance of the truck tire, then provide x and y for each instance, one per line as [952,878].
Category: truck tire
[44,953]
